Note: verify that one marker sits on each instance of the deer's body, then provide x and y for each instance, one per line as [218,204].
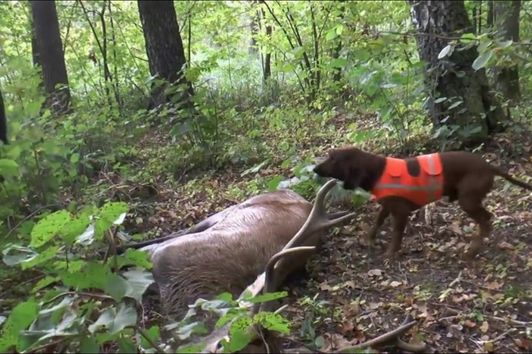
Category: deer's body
[232,250]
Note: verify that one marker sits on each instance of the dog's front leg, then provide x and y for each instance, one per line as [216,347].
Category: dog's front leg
[400,219]
[383,214]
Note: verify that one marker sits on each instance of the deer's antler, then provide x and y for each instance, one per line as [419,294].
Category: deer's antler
[318,218]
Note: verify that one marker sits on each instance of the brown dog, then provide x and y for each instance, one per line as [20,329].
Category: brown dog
[404,185]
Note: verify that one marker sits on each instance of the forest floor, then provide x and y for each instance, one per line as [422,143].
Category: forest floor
[348,296]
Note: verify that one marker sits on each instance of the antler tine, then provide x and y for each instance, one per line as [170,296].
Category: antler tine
[318,218]
[337,214]
[269,285]
[315,213]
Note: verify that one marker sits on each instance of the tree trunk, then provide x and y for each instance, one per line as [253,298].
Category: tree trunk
[48,52]
[337,76]
[506,19]
[267,57]
[451,80]
[3,122]
[489,21]
[165,51]
[254,28]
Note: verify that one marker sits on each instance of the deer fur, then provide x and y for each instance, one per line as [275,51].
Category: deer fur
[233,248]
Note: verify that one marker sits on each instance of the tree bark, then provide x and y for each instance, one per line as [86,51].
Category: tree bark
[3,122]
[506,18]
[489,21]
[452,77]
[266,58]
[48,52]
[164,48]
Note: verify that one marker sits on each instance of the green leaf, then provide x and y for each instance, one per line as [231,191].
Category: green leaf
[468,36]
[504,44]
[8,167]
[43,257]
[15,254]
[111,213]
[273,321]
[454,105]
[74,158]
[116,286]
[77,226]
[48,227]
[191,348]
[331,34]
[20,318]
[338,63]
[138,281]
[184,332]
[484,45]
[126,345]
[92,275]
[87,237]
[43,283]
[134,257]
[89,345]
[446,51]
[153,333]
[482,60]
[273,183]
[228,317]
[239,335]
[114,321]
[266,297]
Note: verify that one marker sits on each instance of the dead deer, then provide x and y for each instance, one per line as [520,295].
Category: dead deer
[234,246]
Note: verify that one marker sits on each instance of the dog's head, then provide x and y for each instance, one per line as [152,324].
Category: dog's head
[341,164]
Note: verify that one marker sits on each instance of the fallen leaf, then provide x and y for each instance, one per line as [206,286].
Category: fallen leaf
[455,227]
[374,305]
[503,245]
[395,284]
[346,327]
[375,273]
[494,285]
[488,346]
[484,327]
[469,323]
[349,284]
[522,343]
[325,287]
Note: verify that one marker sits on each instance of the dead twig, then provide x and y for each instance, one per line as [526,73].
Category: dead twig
[510,320]
[392,336]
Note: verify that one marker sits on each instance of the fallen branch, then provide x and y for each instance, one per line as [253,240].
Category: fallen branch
[391,337]
[512,321]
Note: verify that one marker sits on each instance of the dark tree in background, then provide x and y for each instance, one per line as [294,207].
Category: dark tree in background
[452,77]
[165,50]
[48,52]
[506,21]
[3,123]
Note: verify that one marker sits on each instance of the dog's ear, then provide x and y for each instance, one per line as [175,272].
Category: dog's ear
[351,173]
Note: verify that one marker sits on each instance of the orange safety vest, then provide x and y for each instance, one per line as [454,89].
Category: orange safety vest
[422,189]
